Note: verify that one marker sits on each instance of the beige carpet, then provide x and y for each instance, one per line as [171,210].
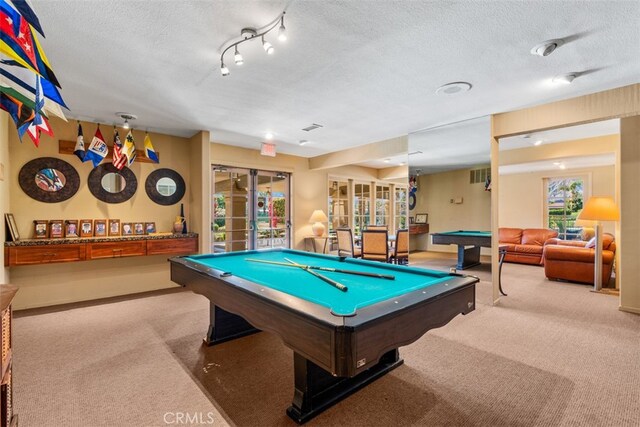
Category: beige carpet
[549,354]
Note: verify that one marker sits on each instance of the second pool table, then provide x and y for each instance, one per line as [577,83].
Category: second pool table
[467,256]
[341,340]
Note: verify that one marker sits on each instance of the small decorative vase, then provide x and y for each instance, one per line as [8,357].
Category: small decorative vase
[177,225]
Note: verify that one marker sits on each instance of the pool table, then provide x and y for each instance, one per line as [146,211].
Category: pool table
[467,256]
[342,340]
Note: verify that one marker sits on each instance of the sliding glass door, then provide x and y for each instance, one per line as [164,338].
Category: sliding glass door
[250,209]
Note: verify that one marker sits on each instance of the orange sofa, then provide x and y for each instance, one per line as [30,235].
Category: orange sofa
[525,246]
[573,260]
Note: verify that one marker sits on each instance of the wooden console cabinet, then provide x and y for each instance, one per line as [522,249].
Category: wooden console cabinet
[7,417]
[32,252]
[418,228]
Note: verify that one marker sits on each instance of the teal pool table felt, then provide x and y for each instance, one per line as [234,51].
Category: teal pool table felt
[468,233]
[362,291]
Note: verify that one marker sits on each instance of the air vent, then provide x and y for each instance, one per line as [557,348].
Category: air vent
[413,153]
[312,127]
[479,176]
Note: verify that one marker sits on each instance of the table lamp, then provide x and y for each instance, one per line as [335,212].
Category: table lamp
[588,228]
[599,209]
[317,219]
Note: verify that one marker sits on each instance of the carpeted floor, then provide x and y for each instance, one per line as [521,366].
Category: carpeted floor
[549,354]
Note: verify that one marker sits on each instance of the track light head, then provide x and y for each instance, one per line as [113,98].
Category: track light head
[237,57]
[268,47]
[282,31]
[223,69]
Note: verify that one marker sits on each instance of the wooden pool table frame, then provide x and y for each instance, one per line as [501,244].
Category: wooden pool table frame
[333,355]
[467,257]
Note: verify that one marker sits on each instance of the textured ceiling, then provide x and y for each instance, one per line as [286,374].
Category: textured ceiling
[365,70]
[560,163]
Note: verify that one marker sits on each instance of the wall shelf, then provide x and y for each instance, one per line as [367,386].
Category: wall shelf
[48,251]
[67,147]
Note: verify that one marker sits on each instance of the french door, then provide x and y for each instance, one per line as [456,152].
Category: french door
[250,209]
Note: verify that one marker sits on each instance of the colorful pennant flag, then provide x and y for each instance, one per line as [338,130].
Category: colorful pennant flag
[20,43]
[21,114]
[39,123]
[79,150]
[119,159]
[27,13]
[97,150]
[148,149]
[129,149]
[25,78]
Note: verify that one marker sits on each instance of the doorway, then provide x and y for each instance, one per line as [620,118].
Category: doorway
[250,209]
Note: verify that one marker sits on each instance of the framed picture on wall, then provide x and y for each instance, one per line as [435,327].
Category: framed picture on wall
[421,218]
[86,228]
[138,228]
[13,228]
[411,220]
[40,229]
[100,227]
[71,228]
[114,227]
[149,227]
[56,229]
[127,229]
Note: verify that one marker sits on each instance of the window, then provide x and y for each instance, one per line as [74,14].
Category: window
[383,202]
[400,202]
[338,204]
[564,200]
[361,207]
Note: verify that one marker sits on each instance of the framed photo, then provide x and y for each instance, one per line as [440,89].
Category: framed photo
[411,220]
[13,228]
[149,227]
[138,228]
[127,228]
[71,228]
[421,218]
[56,229]
[86,228]
[40,229]
[114,227]
[100,227]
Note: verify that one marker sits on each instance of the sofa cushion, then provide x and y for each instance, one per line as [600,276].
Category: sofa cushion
[510,247]
[529,249]
[510,235]
[537,236]
[607,241]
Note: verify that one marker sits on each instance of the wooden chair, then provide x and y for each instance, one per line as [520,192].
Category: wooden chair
[374,245]
[401,251]
[377,227]
[345,243]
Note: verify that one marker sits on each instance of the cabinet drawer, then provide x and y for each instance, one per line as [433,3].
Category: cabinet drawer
[116,249]
[187,245]
[28,255]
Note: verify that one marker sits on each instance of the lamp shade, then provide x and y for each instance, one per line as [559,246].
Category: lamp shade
[318,216]
[600,209]
[584,222]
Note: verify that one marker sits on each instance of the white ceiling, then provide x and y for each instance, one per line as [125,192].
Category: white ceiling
[560,164]
[589,130]
[365,70]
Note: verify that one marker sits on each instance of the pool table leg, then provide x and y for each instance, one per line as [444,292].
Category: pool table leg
[468,257]
[317,390]
[225,326]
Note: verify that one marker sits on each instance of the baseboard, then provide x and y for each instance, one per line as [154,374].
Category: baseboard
[629,309]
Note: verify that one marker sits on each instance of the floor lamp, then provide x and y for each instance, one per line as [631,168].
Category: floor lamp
[599,209]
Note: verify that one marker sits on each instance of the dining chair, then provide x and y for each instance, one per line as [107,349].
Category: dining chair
[377,227]
[374,245]
[401,250]
[345,243]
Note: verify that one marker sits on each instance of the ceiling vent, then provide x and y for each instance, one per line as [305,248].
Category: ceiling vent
[477,176]
[312,127]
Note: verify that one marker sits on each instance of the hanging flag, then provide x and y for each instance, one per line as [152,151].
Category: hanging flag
[97,150]
[27,13]
[21,114]
[24,78]
[20,43]
[148,149]
[119,159]
[39,122]
[79,150]
[129,149]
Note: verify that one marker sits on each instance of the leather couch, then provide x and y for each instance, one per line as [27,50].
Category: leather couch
[573,260]
[525,246]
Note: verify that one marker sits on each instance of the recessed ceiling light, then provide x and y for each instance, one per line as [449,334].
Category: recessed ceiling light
[546,48]
[564,78]
[562,166]
[453,88]
[557,163]
[387,160]
[538,142]
[402,163]
[268,135]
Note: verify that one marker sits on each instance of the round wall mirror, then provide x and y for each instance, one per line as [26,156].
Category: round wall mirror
[49,180]
[111,185]
[165,186]
[113,182]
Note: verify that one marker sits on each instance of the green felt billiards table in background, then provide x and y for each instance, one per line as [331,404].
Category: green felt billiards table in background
[467,256]
[341,340]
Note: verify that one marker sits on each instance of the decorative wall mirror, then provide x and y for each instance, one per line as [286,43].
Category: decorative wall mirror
[165,186]
[49,180]
[111,185]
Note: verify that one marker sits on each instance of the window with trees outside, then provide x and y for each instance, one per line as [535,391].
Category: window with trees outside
[383,202]
[402,194]
[338,204]
[564,201]
[361,207]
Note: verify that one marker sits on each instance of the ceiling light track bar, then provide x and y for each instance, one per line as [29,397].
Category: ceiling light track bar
[248,34]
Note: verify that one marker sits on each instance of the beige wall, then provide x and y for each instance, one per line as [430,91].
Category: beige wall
[4,185]
[61,283]
[521,199]
[433,197]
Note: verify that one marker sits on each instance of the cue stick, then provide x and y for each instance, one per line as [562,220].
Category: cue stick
[331,269]
[332,282]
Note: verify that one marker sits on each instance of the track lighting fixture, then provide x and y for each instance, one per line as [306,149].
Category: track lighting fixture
[253,33]
[126,117]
